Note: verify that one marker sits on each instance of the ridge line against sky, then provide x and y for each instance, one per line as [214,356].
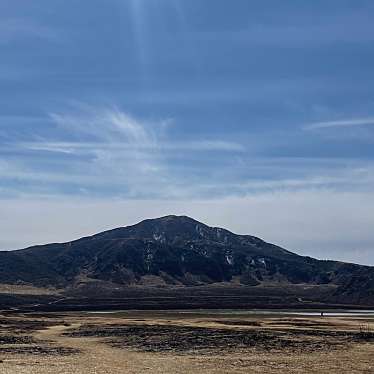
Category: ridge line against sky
[148,104]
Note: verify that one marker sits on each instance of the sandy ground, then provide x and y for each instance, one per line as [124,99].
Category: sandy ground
[97,356]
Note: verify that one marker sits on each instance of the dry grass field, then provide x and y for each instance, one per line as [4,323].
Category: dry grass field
[189,342]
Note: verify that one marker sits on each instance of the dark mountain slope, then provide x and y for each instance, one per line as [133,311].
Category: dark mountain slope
[176,250]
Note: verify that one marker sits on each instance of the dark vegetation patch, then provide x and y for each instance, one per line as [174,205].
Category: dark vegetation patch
[238,323]
[302,323]
[22,326]
[39,350]
[15,337]
[183,339]
[12,339]
[343,336]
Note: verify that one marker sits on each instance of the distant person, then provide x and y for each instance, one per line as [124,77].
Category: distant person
[321,314]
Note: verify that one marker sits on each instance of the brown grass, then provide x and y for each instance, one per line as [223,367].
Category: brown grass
[96,352]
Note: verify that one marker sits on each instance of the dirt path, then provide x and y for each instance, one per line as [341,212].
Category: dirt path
[95,356]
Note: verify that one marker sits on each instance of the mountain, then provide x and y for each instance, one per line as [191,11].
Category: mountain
[180,251]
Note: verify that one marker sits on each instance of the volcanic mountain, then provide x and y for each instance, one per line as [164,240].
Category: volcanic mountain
[178,251]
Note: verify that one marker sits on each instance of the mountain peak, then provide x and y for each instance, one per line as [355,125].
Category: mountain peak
[173,218]
[177,250]
[170,229]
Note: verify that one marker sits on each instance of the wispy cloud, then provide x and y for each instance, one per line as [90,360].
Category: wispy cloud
[101,152]
[114,130]
[107,151]
[79,147]
[340,123]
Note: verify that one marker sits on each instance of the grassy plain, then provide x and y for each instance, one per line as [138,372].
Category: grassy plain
[185,342]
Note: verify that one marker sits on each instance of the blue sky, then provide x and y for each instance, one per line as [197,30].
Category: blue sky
[255,115]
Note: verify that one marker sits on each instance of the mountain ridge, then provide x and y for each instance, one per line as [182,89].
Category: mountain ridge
[178,251]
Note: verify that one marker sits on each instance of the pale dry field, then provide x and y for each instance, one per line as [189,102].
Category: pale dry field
[157,342]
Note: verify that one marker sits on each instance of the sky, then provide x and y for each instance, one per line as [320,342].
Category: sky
[257,116]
